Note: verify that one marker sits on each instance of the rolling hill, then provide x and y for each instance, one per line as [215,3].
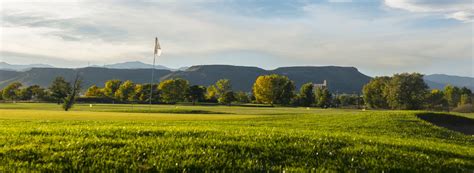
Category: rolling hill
[12,67]
[135,65]
[439,81]
[340,79]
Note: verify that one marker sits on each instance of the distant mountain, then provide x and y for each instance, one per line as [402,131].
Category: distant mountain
[90,75]
[182,68]
[135,65]
[439,81]
[340,79]
[6,66]
[241,77]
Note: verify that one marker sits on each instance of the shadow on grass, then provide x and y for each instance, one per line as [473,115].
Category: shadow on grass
[172,111]
[451,122]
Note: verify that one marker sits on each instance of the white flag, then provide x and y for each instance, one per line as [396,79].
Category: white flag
[157,47]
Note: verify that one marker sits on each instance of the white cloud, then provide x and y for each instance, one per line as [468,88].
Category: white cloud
[104,32]
[456,9]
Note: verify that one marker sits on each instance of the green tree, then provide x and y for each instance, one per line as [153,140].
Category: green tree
[25,94]
[37,92]
[374,93]
[466,96]
[465,99]
[242,97]
[406,91]
[173,90]
[12,91]
[288,93]
[227,98]
[211,93]
[452,94]
[306,96]
[94,91]
[465,90]
[436,101]
[196,93]
[111,87]
[273,89]
[323,97]
[223,86]
[137,93]
[59,89]
[1,94]
[347,100]
[126,91]
[72,94]
[142,92]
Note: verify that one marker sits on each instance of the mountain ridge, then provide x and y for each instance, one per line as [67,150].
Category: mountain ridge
[242,77]
[340,79]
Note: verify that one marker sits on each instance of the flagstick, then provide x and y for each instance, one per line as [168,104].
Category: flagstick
[152,77]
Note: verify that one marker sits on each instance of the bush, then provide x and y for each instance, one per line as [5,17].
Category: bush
[94,100]
[467,108]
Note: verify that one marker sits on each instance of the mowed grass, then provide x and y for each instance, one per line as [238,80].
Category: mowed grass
[172,138]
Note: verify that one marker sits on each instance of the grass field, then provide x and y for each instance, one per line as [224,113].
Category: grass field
[198,138]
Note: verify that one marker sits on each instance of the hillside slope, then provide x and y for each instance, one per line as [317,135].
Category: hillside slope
[439,81]
[340,79]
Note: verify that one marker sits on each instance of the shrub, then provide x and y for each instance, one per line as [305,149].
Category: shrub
[466,108]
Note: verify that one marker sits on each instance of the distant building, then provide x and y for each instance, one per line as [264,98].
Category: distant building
[322,85]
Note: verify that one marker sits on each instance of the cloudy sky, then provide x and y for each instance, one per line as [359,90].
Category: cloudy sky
[380,37]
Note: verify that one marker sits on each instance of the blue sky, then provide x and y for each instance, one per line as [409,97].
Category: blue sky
[379,37]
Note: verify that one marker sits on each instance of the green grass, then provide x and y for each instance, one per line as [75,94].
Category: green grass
[168,138]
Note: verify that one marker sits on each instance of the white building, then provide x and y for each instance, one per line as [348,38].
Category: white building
[323,85]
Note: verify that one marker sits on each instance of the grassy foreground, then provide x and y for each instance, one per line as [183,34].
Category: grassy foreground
[192,138]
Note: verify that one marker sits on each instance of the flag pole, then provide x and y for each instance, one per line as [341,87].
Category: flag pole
[157,51]
[152,79]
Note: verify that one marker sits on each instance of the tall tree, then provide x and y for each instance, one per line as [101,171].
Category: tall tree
[273,89]
[12,91]
[465,99]
[223,86]
[306,95]
[94,91]
[323,97]
[126,91]
[73,93]
[242,97]
[288,93]
[25,94]
[453,95]
[374,92]
[227,98]
[59,89]
[196,93]
[466,96]
[137,93]
[37,92]
[407,91]
[348,100]
[142,92]
[173,90]
[436,101]
[111,87]
[211,94]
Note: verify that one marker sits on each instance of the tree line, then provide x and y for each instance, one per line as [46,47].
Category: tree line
[268,89]
[60,91]
[401,91]
[409,92]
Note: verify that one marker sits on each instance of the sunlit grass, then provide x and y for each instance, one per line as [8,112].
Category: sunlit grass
[119,137]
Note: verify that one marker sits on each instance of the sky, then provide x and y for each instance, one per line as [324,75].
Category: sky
[379,37]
